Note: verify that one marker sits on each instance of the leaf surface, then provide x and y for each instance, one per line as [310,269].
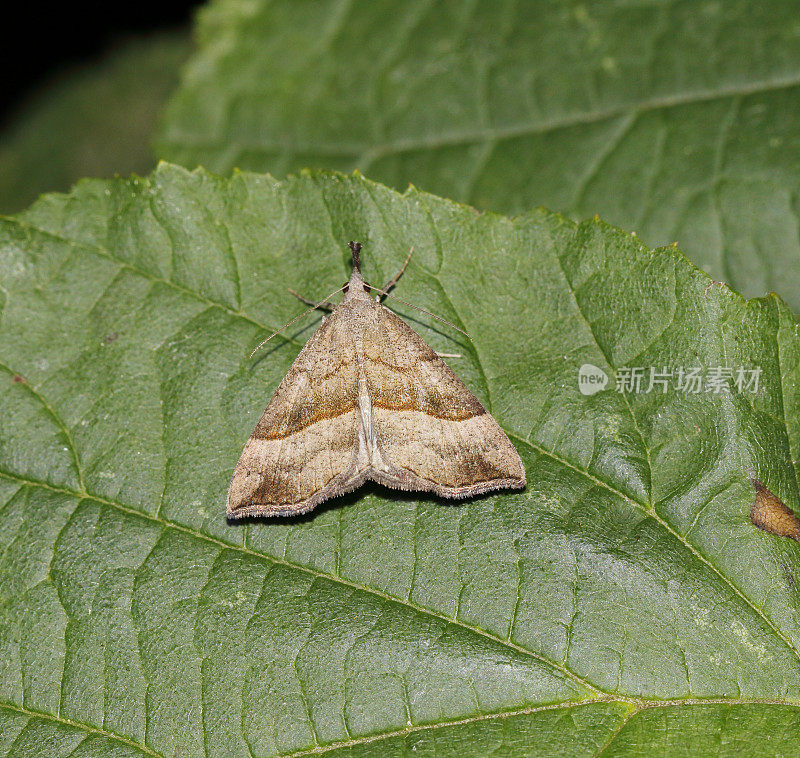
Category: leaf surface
[677,120]
[624,598]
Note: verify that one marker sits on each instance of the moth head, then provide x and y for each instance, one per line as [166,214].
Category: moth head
[356,288]
[356,248]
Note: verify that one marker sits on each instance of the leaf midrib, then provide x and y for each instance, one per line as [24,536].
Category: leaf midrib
[633,707]
[371,152]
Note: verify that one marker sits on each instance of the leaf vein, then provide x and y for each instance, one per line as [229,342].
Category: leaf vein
[104,253]
[33,714]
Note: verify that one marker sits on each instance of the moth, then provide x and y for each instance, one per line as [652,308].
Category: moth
[368,399]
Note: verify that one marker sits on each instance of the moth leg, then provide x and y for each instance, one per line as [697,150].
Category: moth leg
[449,355]
[321,306]
[399,273]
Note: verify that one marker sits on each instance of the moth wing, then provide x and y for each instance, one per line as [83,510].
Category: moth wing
[433,432]
[302,449]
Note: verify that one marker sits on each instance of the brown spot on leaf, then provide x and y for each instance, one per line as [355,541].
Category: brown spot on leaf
[770,514]
[18,379]
[109,338]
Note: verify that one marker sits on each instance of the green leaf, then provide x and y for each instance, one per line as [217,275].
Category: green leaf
[622,604]
[679,120]
[97,120]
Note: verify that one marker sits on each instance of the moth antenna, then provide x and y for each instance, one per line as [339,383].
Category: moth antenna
[289,323]
[422,310]
[356,248]
[307,301]
[391,284]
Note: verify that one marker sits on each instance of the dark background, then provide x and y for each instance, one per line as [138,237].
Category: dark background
[42,40]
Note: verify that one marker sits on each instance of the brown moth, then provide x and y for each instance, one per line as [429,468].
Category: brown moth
[365,399]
